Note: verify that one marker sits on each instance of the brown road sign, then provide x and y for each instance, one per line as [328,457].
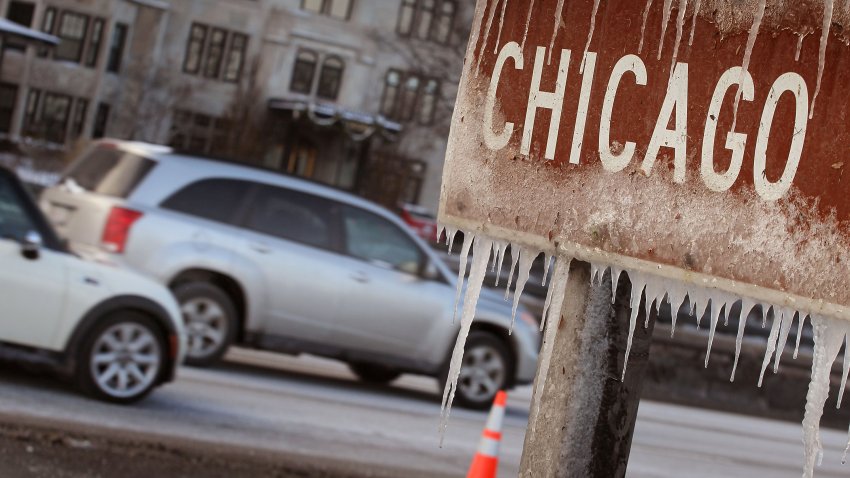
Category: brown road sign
[612,131]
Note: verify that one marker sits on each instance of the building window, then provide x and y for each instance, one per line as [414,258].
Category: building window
[209,49]
[410,97]
[47,115]
[101,117]
[303,71]
[197,132]
[235,58]
[95,40]
[72,33]
[391,83]
[80,36]
[215,52]
[330,78]
[80,108]
[332,8]
[21,13]
[194,49]
[116,48]
[405,17]
[8,98]
[427,19]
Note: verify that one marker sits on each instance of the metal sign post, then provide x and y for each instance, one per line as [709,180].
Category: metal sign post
[699,145]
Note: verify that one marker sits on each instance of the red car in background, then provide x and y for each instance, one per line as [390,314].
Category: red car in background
[421,220]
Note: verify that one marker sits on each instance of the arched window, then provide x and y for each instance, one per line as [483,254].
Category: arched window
[303,72]
[426,17]
[428,103]
[445,19]
[391,84]
[330,78]
[405,17]
[408,97]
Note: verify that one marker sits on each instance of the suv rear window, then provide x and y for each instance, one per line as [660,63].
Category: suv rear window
[110,172]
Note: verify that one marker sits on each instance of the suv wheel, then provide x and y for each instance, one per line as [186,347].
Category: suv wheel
[373,373]
[210,319]
[121,358]
[484,371]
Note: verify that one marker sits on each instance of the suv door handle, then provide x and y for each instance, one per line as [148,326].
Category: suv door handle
[261,248]
[360,276]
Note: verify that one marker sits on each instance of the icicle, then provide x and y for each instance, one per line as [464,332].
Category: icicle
[468,238]
[764,309]
[589,34]
[527,23]
[559,284]
[480,255]
[615,281]
[501,24]
[717,305]
[546,265]
[829,335]
[514,259]
[824,39]
[643,25]
[450,238]
[799,333]
[800,38]
[558,9]
[771,343]
[676,294]
[844,373]
[502,248]
[492,8]
[526,259]
[440,230]
[751,41]
[546,304]
[655,292]
[668,6]
[746,307]
[680,25]
[596,272]
[638,284]
[694,22]
[784,330]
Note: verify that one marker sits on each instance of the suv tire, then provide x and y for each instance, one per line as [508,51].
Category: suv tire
[491,363]
[373,373]
[121,358]
[210,319]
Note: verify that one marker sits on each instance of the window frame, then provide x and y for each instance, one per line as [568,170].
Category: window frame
[94,40]
[335,244]
[81,41]
[340,70]
[194,70]
[344,249]
[228,56]
[212,65]
[117,44]
[325,9]
[315,64]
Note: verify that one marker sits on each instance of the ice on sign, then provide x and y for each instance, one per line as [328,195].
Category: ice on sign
[696,145]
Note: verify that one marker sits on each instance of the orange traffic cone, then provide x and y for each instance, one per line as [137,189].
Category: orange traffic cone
[486,459]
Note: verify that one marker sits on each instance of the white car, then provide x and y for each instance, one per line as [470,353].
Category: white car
[117,334]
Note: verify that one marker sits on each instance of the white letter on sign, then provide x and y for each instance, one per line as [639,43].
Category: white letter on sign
[735,142]
[797,86]
[541,99]
[498,141]
[677,97]
[616,161]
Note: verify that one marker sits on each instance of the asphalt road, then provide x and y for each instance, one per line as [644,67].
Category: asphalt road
[271,415]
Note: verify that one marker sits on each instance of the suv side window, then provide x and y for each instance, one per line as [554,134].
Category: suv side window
[213,199]
[15,223]
[292,215]
[110,172]
[374,239]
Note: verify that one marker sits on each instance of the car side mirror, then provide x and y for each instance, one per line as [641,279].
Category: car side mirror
[430,272]
[31,245]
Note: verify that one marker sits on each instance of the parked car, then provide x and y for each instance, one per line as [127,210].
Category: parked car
[278,263]
[421,220]
[117,334]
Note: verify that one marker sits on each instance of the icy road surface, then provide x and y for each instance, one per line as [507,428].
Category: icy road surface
[312,410]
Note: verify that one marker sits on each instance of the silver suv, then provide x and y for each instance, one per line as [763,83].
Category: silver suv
[272,262]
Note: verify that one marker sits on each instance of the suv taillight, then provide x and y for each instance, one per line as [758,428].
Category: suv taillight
[117,228]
